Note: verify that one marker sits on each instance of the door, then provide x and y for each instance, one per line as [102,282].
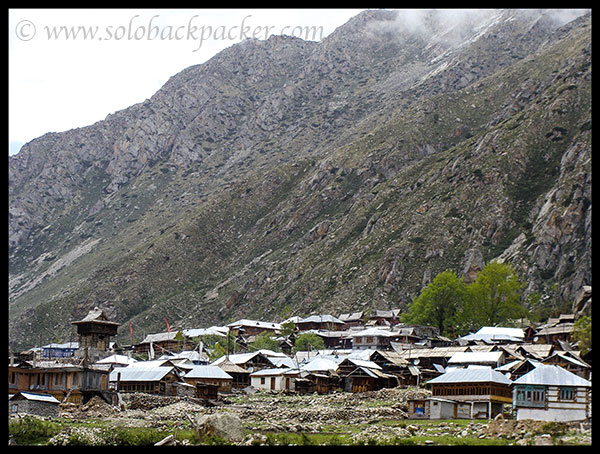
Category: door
[272,382]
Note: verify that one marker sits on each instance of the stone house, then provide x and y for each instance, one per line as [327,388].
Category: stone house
[25,403]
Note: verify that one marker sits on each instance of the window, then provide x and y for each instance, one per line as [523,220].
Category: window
[567,393]
[530,396]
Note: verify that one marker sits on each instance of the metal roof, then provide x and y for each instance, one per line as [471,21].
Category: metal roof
[471,375]
[207,372]
[321,319]
[37,397]
[475,357]
[130,373]
[551,375]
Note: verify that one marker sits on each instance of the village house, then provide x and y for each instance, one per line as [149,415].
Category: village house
[277,379]
[486,391]
[383,318]
[352,319]
[373,338]
[359,375]
[253,361]
[160,380]
[492,359]
[159,343]
[571,362]
[494,335]
[209,375]
[556,330]
[320,322]
[247,328]
[25,403]
[75,383]
[550,393]
[240,376]
[334,339]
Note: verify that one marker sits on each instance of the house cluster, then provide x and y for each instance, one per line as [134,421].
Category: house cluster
[537,373]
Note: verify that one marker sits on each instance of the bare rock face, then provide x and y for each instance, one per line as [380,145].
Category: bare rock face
[473,264]
[363,164]
[225,426]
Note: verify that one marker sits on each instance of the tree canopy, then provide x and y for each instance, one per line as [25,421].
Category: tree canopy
[455,307]
[439,303]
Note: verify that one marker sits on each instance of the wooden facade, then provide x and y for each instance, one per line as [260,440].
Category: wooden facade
[65,382]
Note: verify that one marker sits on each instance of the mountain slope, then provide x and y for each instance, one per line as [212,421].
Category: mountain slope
[286,176]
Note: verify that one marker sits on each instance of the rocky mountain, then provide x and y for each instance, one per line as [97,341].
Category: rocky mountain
[285,177]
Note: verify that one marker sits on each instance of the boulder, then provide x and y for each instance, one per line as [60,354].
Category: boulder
[224,426]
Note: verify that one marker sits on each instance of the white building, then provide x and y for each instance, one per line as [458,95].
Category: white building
[550,393]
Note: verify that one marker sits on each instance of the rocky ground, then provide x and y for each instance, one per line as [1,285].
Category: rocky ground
[363,418]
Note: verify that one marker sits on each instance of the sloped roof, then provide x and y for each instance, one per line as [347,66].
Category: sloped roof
[208,372]
[130,373]
[475,357]
[117,359]
[321,319]
[552,375]
[471,375]
[34,396]
[95,315]
[320,364]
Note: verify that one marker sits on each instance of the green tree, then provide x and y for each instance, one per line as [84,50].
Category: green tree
[494,296]
[288,328]
[308,341]
[264,341]
[439,303]
[582,333]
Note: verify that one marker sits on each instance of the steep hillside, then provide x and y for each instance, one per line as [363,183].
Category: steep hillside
[285,176]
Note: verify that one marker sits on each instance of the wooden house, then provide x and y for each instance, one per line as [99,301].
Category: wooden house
[209,375]
[551,393]
[373,338]
[160,380]
[518,368]
[384,318]
[359,375]
[555,330]
[492,359]
[246,327]
[394,363]
[352,319]
[251,361]
[320,322]
[75,383]
[240,376]
[571,362]
[159,344]
[485,389]
[334,339]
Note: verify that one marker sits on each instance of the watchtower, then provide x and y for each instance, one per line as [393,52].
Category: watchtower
[95,332]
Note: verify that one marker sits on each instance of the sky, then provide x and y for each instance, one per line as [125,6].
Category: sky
[70,68]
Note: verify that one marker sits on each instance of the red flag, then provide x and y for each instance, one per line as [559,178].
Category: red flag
[168,327]
[130,328]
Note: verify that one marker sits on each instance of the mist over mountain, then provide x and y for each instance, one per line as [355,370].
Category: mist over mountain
[289,177]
